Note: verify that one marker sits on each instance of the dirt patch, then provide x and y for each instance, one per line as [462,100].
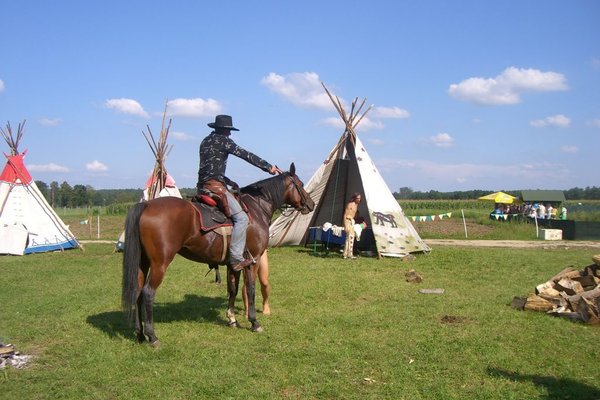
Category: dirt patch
[565,244]
[451,227]
[454,320]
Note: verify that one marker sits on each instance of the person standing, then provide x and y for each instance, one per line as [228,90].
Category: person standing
[350,213]
[214,150]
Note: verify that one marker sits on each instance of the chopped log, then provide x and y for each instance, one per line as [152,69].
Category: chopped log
[569,286]
[557,300]
[543,287]
[568,272]
[589,311]
[587,281]
[537,303]
[596,259]
[591,295]
[549,292]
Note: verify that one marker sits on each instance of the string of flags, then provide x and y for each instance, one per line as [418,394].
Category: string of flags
[425,218]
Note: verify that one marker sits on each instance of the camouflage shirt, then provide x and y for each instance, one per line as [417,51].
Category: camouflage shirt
[214,150]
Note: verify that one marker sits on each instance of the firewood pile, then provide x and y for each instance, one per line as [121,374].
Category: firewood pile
[572,293]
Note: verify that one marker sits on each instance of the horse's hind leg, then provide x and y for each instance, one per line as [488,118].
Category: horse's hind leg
[250,287]
[233,281]
[139,316]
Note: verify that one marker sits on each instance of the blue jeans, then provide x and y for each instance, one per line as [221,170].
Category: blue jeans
[238,235]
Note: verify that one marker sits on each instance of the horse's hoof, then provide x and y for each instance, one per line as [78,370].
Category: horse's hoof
[155,344]
[258,329]
[234,324]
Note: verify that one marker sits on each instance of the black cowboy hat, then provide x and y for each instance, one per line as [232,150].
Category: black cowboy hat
[224,122]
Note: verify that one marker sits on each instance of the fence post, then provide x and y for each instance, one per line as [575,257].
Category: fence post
[464,222]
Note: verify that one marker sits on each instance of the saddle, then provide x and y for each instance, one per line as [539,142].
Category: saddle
[211,217]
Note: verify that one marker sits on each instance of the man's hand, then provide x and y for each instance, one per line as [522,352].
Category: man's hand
[275,170]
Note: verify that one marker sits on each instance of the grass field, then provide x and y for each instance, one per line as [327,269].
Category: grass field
[339,330]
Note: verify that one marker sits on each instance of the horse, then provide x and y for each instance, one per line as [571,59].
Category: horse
[157,230]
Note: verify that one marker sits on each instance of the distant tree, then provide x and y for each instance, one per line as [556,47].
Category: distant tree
[54,194]
[66,195]
[44,189]
[80,196]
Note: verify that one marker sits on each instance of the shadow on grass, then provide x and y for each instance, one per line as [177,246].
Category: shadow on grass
[192,308]
[557,388]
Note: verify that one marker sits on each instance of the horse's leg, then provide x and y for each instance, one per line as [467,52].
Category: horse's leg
[215,267]
[139,316]
[250,287]
[233,282]
[157,273]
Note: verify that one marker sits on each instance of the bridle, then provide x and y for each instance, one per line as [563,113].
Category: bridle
[301,193]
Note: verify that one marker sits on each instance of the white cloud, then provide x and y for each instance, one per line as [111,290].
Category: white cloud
[375,141]
[126,106]
[558,120]
[50,121]
[96,166]
[507,87]
[569,149]
[434,171]
[441,140]
[301,89]
[193,107]
[389,112]
[1,85]
[181,136]
[595,123]
[47,168]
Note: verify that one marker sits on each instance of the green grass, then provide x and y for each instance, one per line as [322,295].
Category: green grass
[339,329]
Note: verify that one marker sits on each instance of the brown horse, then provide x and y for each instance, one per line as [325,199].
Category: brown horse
[157,230]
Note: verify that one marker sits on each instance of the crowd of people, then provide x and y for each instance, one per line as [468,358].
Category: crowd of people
[531,210]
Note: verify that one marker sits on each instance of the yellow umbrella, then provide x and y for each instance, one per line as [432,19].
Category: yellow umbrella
[500,197]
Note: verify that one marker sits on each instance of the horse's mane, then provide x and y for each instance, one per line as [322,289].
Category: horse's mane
[270,188]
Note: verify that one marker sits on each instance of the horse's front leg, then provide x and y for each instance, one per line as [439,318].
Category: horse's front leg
[233,282]
[250,288]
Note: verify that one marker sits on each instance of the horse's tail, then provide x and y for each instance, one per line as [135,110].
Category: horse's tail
[132,258]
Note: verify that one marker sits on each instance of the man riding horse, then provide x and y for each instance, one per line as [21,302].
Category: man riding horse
[214,150]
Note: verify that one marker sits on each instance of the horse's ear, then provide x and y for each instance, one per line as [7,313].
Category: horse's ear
[293,169]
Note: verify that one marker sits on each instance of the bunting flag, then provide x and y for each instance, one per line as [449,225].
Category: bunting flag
[83,222]
[427,218]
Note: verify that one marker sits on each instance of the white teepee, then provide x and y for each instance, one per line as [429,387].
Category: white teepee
[27,222]
[349,169]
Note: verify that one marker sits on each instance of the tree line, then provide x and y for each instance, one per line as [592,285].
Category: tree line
[406,193]
[65,195]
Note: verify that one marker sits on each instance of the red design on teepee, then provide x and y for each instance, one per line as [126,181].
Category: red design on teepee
[15,171]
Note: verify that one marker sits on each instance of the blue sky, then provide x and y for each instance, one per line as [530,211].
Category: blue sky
[465,94]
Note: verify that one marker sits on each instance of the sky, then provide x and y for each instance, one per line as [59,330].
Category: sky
[465,95]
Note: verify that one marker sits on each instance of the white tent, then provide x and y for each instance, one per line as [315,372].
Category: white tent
[28,224]
[349,169]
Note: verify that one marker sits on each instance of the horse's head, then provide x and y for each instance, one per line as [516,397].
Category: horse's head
[295,195]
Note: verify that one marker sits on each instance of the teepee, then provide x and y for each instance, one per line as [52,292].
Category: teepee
[27,222]
[159,183]
[349,169]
